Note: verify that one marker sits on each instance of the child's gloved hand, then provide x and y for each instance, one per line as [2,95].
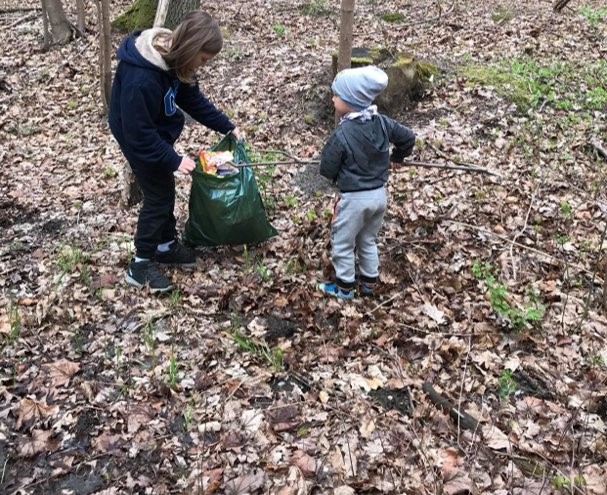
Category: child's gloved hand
[186,166]
[395,165]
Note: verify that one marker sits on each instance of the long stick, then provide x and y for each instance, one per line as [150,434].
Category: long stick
[407,163]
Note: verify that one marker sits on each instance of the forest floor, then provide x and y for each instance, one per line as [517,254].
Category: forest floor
[246,379]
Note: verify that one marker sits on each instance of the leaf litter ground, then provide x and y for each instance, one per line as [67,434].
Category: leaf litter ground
[247,380]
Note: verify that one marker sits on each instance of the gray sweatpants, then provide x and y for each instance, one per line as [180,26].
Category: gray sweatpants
[356,223]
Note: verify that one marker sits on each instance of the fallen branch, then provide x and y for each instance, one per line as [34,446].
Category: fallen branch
[26,18]
[463,168]
[407,163]
[278,163]
[460,417]
[599,149]
[560,5]
[13,10]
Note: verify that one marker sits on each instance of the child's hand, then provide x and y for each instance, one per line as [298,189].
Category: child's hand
[395,165]
[186,166]
[237,134]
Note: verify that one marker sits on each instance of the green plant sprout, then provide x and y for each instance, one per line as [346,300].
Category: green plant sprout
[506,385]
[274,357]
[518,318]
[173,369]
[593,16]
[315,8]
[14,322]
[279,29]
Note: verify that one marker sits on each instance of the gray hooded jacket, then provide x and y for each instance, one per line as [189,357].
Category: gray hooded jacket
[357,155]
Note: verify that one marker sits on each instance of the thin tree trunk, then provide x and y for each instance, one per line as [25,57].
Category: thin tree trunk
[47,33]
[344,56]
[161,13]
[105,43]
[61,28]
[81,16]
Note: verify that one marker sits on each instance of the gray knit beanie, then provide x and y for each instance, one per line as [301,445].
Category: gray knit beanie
[359,87]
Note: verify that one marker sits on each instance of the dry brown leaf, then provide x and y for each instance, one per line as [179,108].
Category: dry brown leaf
[595,479]
[495,438]
[33,410]
[295,483]
[40,441]
[304,462]
[246,484]
[137,416]
[107,442]
[61,371]
[460,484]
[449,462]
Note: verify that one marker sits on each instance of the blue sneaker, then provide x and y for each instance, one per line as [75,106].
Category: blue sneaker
[332,289]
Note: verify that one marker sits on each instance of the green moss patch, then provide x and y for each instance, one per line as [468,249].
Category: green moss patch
[393,17]
[531,83]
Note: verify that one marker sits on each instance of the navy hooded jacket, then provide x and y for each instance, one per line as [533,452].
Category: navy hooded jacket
[357,155]
[143,114]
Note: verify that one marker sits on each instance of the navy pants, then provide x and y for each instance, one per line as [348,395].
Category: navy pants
[156,224]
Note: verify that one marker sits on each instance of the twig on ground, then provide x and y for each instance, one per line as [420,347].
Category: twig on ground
[406,163]
[599,149]
[26,18]
[13,10]
[463,168]
[369,313]
[520,231]
[461,388]
[441,334]
[528,248]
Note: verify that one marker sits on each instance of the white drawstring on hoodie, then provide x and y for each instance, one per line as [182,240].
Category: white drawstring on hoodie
[364,115]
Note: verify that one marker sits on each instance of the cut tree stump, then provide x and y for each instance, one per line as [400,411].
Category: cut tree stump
[407,75]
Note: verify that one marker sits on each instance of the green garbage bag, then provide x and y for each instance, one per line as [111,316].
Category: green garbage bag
[226,209]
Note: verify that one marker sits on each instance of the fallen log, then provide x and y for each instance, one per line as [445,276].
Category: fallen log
[460,417]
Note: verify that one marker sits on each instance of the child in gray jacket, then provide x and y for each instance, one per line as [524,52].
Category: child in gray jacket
[357,159]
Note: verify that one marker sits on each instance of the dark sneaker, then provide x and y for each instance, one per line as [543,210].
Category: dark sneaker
[146,272]
[332,289]
[178,254]
[366,289]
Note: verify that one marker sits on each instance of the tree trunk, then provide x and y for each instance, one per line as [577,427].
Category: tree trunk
[105,52]
[344,57]
[177,10]
[61,28]
[81,16]
[161,13]
[47,33]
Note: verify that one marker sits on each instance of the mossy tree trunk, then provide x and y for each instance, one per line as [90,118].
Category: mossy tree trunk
[142,13]
[139,16]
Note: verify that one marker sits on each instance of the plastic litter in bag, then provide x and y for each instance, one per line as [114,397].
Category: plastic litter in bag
[220,163]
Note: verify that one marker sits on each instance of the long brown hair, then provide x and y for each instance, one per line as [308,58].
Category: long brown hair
[198,32]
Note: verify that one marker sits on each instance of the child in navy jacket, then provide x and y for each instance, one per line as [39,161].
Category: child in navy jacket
[154,79]
[357,159]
